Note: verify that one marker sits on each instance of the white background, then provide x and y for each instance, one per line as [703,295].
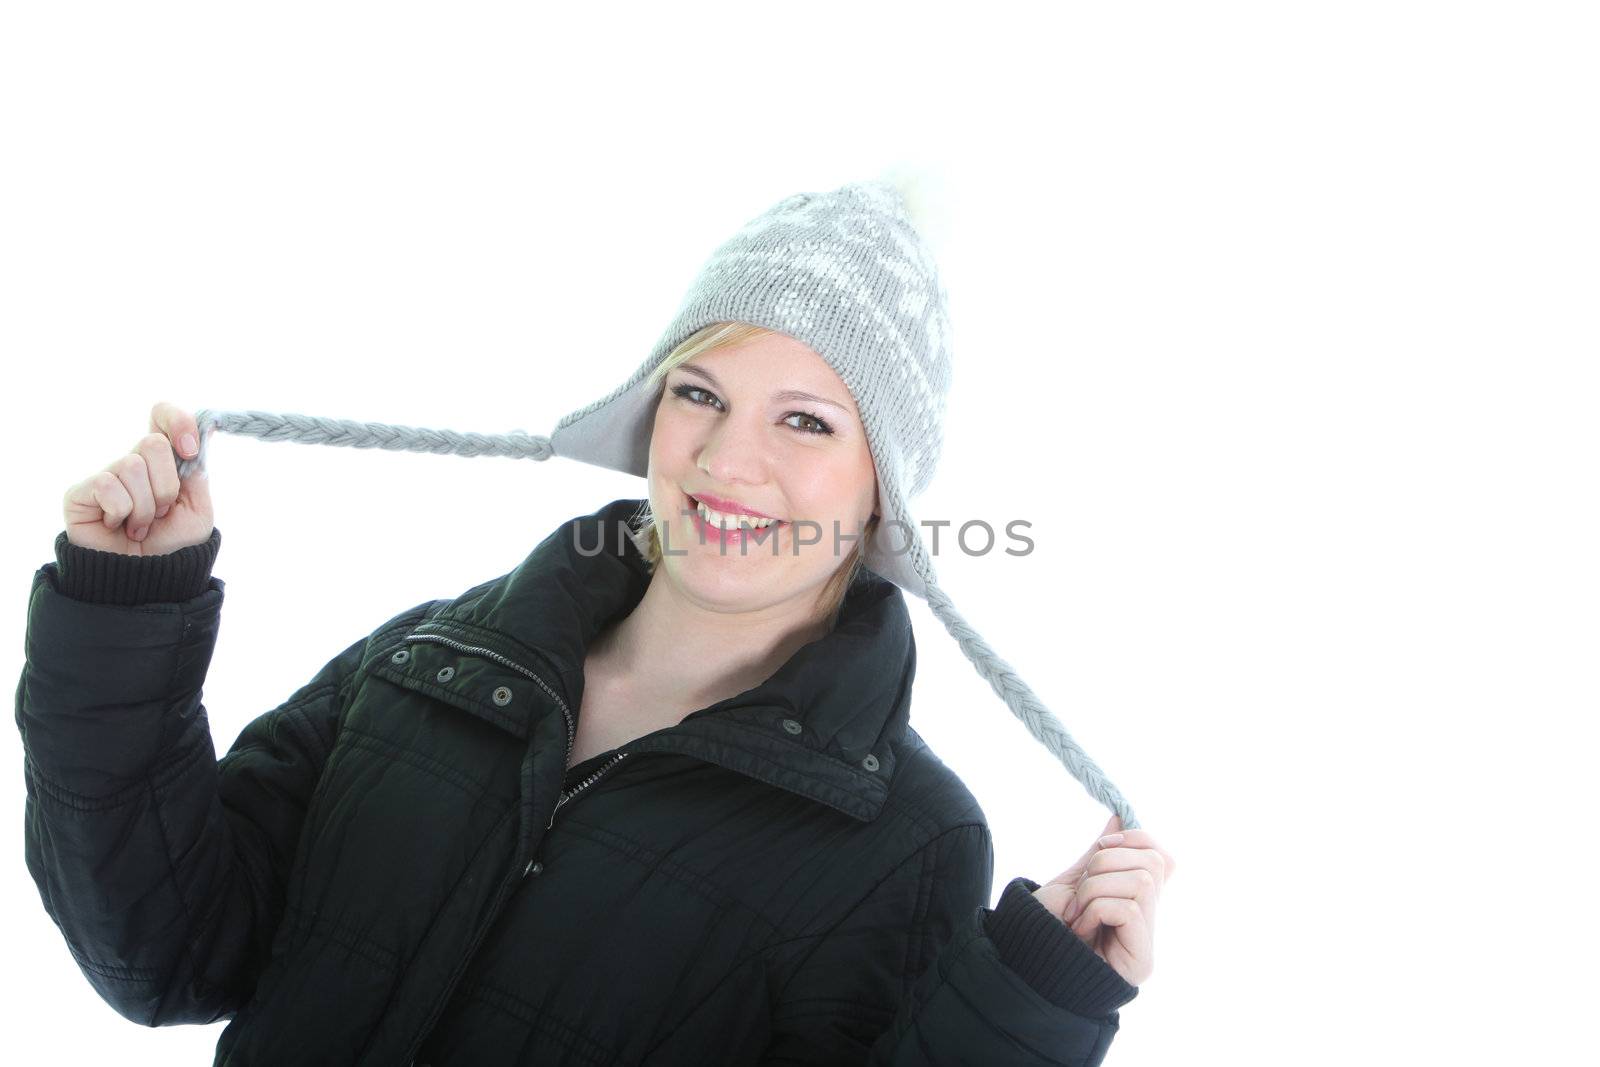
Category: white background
[1277,321]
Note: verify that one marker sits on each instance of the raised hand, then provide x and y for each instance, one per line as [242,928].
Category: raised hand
[137,505]
[1108,898]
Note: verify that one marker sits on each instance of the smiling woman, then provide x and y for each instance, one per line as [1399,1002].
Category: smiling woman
[681,780]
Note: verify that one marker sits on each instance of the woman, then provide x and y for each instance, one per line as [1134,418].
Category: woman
[650,797]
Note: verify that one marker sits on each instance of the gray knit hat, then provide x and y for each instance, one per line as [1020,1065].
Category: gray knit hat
[846,273]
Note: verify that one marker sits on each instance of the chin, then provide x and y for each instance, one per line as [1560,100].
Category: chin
[719,585]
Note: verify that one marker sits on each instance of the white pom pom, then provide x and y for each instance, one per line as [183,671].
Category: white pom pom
[929,199]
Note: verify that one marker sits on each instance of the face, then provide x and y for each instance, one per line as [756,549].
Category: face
[731,431]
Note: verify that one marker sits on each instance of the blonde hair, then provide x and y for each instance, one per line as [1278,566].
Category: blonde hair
[721,335]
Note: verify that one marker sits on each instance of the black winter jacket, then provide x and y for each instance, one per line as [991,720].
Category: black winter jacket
[394,866]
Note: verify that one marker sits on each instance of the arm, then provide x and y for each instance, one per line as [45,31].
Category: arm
[163,867]
[962,984]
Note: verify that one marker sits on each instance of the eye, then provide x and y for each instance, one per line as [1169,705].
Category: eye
[822,427]
[685,390]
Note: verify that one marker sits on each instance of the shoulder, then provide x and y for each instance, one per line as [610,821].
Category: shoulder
[931,855]
[928,797]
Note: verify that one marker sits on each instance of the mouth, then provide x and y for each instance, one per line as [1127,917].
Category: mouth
[732,534]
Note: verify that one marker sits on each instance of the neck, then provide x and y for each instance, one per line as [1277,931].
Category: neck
[671,645]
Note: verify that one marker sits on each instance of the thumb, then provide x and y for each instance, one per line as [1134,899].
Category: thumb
[197,487]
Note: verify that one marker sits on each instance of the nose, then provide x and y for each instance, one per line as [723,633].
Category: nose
[734,452]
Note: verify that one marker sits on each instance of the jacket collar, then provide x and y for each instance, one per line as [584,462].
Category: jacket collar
[849,690]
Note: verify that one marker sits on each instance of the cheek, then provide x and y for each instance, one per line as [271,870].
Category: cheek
[829,488]
[669,434]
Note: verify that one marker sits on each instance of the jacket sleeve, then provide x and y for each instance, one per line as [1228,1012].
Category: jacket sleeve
[163,867]
[964,985]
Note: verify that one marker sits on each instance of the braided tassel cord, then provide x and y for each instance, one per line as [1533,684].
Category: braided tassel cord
[312,430]
[308,429]
[1040,720]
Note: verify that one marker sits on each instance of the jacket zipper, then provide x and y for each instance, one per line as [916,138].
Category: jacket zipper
[506,885]
[575,790]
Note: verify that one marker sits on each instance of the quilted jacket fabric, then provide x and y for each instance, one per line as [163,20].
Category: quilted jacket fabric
[394,865]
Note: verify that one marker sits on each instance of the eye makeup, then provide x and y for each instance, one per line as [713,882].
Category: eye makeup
[684,389]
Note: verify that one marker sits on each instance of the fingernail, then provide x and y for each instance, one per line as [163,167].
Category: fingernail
[188,444]
[161,512]
[138,535]
[1110,840]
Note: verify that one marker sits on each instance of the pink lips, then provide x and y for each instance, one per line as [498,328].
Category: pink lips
[728,507]
[716,534]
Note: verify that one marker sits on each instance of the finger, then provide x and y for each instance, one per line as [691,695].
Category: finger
[135,478]
[1104,911]
[197,491]
[1143,839]
[1108,860]
[101,498]
[178,425]
[1074,872]
[1131,922]
[1138,884]
[1124,858]
[162,469]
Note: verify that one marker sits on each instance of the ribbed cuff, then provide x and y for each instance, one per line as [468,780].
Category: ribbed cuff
[113,578]
[1052,959]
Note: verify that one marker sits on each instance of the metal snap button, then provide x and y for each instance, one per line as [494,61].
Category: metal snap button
[400,656]
[502,696]
[536,867]
[446,673]
[871,762]
[792,726]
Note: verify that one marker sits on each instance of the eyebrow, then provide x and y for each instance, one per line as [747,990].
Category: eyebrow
[786,394]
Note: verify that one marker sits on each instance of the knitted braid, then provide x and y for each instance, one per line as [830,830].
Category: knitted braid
[1040,720]
[313,430]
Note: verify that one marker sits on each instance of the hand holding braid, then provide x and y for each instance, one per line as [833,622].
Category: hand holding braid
[143,503]
[1108,898]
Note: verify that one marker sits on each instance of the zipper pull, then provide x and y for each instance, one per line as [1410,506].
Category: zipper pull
[553,811]
[581,786]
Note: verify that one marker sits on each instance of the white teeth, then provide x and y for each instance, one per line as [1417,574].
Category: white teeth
[729,522]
